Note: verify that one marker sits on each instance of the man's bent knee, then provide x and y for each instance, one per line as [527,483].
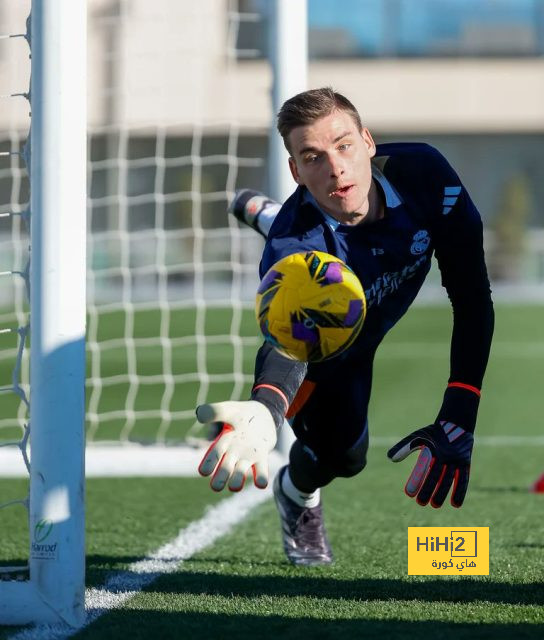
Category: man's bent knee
[350,466]
[353,461]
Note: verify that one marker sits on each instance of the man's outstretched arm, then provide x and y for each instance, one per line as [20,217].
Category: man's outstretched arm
[250,427]
[255,209]
[446,445]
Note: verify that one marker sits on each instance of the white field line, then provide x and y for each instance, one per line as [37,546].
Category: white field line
[119,461]
[120,587]
[102,461]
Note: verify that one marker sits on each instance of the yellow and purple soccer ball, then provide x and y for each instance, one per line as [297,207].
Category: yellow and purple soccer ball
[310,306]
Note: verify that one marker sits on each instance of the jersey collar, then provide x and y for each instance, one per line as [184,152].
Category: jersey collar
[392,198]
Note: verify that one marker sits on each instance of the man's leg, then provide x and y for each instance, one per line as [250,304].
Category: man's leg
[308,471]
[332,441]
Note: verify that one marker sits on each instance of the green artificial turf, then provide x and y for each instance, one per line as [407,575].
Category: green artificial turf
[242,586]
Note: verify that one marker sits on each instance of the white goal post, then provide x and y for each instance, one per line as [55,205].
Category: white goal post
[288,37]
[289,60]
[55,589]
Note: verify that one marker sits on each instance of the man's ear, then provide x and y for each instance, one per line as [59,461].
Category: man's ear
[294,171]
[370,144]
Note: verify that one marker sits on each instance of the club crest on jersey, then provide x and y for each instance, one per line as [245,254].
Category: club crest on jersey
[421,242]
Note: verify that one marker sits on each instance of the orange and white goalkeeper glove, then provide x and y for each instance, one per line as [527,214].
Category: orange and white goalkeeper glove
[247,438]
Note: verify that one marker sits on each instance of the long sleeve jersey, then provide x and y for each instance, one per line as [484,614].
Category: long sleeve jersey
[427,211]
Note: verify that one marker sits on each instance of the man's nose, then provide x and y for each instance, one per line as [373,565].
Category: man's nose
[336,167]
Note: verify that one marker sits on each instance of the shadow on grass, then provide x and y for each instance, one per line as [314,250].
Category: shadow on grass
[139,624]
[452,590]
[529,545]
[192,590]
[311,583]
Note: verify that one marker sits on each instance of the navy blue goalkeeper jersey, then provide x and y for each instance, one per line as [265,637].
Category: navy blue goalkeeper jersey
[427,211]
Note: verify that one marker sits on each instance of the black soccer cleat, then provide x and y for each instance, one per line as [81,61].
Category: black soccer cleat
[246,206]
[303,531]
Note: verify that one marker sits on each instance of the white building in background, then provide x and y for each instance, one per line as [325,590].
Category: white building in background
[142,67]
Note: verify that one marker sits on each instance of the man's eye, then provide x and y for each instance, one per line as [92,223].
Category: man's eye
[345,146]
[311,158]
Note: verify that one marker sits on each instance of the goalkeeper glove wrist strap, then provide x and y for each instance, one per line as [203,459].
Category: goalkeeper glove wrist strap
[460,405]
[273,399]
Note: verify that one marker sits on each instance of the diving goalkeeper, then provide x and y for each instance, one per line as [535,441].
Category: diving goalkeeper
[384,210]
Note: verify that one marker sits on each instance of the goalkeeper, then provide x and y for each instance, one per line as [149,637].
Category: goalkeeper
[384,210]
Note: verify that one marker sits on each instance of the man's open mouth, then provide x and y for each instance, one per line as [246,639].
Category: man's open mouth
[341,192]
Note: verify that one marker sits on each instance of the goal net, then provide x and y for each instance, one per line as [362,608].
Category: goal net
[179,109]
[14,271]
[173,131]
